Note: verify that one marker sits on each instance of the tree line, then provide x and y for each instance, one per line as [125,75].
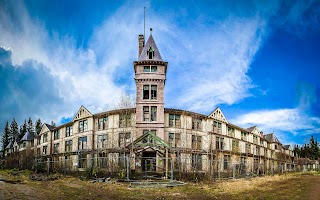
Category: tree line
[310,150]
[12,132]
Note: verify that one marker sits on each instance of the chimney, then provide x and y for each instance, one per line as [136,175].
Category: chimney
[141,43]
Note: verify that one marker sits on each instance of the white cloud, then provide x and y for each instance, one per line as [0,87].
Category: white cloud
[293,120]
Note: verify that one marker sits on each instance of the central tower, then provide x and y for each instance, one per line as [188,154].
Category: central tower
[150,75]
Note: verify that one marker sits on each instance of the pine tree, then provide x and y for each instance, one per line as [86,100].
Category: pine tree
[30,127]
[6,136]
[38,126]
[23,129]
[14,130]
[53,124]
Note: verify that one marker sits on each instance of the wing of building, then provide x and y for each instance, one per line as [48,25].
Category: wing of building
[151,137]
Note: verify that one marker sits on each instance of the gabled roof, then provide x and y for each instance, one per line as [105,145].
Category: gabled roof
[286,147]
[10,145]
[50,127]
[27,136]
[149,139]
[144,53]
[250,129]
[82,113]
[271,138]
[217,114]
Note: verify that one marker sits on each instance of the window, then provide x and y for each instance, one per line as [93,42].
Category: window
[275,147]
[56,135]
[45,137]
[196,142]
[38,141]
[146,113]
[124,139]
[217,127]
[150,53]
[150,94]
[258,151]
[196,162]
[146,92]
[235,145]
[150,68]
[174,139]
[125,120]
[248,148]
[255,139]
[38,151]
[196,124]
[244,136]
[102,123]
[231,132]
[44,150]
[174,120]
[82,160]
[82,143]
[153,113]
[56,148]
[226,162]
[68,131]
[153,92]
[83,126]
[219,143]
[68,146]
[102,141]
[243,162]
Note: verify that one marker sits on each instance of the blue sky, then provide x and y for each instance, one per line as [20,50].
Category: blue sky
[257,60]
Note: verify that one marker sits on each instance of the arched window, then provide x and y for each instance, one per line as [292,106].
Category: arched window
[150,53]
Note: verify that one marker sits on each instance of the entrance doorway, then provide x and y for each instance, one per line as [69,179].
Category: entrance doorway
[148,161]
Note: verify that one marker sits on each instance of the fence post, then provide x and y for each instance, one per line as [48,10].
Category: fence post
[127,167]
[48,165]
[64,166]
[171,169]
[234,171]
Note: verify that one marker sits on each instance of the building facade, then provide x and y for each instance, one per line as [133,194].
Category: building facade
[151,137]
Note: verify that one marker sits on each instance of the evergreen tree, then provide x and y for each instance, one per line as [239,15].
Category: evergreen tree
[53,124]
[23,129]
[14,130]
[30,127]
[6,136]
[38,126]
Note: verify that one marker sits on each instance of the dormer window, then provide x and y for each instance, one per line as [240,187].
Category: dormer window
[150,53]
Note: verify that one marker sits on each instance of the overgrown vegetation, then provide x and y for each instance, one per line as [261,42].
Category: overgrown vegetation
[291,186]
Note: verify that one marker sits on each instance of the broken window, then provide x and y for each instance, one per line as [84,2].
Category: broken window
[45,137]
[153,113]
[174,120]
[44,150]
[82,144]
[124,139]
[248,148]
[82,160]
[102,123]
[154,92]
[219,143]
[125,120]
[196,142]
[146,113]
[56,148]
[231,132]
[226,162]
[68,131]
[196,162]
[56,135]
[244,136]
[235,145]
[174,139]
[217,127]
[196,124]
[83,126]
[102,141]
[255,139]
[68,146]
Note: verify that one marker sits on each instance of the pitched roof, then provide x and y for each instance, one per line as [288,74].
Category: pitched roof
[50,127]
[27,136]
[10,145]
[271,137]
[286,147]
[144,53]
[250,129]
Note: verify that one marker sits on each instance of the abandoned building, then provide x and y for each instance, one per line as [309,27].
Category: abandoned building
[153,137]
